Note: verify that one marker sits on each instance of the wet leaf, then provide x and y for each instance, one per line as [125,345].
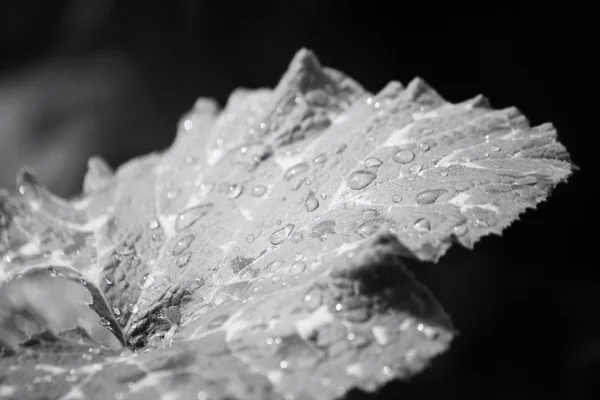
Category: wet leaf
[260,256]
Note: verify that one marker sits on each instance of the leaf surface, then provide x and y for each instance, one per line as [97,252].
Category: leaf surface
[260,256]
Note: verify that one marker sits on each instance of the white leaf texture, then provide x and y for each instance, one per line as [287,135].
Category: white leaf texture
[261,255]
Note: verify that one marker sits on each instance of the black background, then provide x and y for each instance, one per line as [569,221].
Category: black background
[119,75]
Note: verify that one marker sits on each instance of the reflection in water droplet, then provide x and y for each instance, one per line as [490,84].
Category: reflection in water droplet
[191,215]
[235,191]
[360,179]
[281,234]
[403,156]
[429,196]
[373,162]
[153,223]
[295,171]
[183,260]
[396,198]
[259,190]
[415,169]
[422,225]
[320,158]
[311,203]
[370,227]
[182,245]
[297,237]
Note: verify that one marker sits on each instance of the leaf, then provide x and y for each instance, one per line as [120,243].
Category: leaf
[261,255]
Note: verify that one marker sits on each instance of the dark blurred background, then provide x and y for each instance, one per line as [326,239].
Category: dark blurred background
[79,78]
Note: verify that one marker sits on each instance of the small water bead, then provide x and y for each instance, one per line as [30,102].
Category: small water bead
[360,179]
[323,195]
[424,147]
[466,159]
[320,158]
[278,222]
[370,227]
[153,224]
[135,309]
[426,131]
[250,238]
[341,148]
[182,245]
[173,194]
[295,171]
[429,196]
[396,198]
[298,256]
[283,364]
[146,281]
[311,202]
[403,156]
[460,230]
[183,260]
[104,322]
[281,234]
[338,307]
[116,311]
[235,191]
[444,173]
[350,205]
[188,124]
[415,169]
[495,148]
[275,265]
[297,237]
[422,225]
[369,100]
[373,162]
[191,216]
[259,190]
[386,370]
[207,187]
[297,268]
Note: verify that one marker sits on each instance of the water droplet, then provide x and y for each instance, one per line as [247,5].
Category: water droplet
[370,227]
[444,173]
[235,191]
[202,395]
[386,370]
[283,364]
[313,299]
[146,281]
[173,194]
[275,265]
[360,179]
[320,158]
[207,187]
[349,205]
[429,196]
[104,322]
[415,169]
[250,238]
[297,237]
[182,245]
[311,203]
[424,147]
[495,148]
[369,100]
[466,159]
[295,171]
[107,281]
[297,268]
[373,162]
[183,260]
[259,190]
[403,156]
[191,216]
[396,198]
[153,223]
[281,234]
[422,225]
[135,309]
[117,311]
[338,307]
[460,230]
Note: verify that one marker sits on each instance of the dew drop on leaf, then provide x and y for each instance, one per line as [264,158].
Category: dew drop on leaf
[403,156]
[117,311]
[370,227]
[153,224]
[297,268]
[275,265]
[191,216]
[424,147]
[422,225]
[297,237]
[182,245]
[234,191]
[295,171]
[146,281]
[460,230]
[360,179]
[259,190]
[373,162]
[495,148]
[250,238]
[415,169]
[183,260]
[320,158]
[311,202]
[396,198]
[429,196]
[281,234]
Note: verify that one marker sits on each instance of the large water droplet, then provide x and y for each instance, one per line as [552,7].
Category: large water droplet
[281,234]
[429,196]
[183,260]
[235,191]
[295,171]
[415,169]
[370,227]
[360,179]
[373,162]
[191,216]
[259,190]
[311,203]
[403,156]
[422,225]
[320,158]
[182,245]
